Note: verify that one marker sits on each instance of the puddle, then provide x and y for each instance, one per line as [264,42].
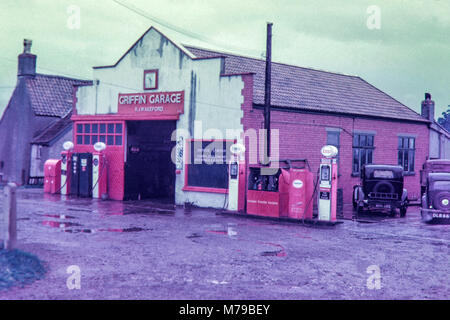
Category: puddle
[76,209]
[134,229]
[149,212]
[165,212]
[228,230]
[194,235]
[217,232]
[65,225]
[278,253]
[57,216]
[60,225]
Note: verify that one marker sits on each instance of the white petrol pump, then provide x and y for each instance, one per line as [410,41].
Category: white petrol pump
[99,175]
[66,156]
[328,182]
[237,153]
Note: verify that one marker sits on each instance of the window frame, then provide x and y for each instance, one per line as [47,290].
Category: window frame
[411,151]
[87,133]
[360,147]
[187,155]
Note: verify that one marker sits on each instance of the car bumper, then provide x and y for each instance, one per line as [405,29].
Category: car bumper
[435,216]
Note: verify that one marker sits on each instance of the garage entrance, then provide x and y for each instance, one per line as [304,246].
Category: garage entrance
[149,170]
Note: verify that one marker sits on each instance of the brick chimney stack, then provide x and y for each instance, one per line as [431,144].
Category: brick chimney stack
[27,61]
[428,107]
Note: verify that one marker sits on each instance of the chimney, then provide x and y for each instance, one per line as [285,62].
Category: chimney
[428,107]
[27,60]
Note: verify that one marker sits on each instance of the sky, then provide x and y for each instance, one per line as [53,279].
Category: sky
[400,46]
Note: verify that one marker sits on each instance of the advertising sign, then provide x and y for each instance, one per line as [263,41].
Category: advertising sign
[151,104]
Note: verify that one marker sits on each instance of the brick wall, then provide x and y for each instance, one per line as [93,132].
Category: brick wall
[302,135]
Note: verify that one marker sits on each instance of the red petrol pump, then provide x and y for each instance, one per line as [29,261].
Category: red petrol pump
[287,193]
[328,182]
[52,176]
[301,190]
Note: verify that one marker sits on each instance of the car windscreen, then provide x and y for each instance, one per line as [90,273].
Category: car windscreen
[383,174]
[441,185]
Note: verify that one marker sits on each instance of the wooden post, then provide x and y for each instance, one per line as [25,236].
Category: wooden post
[267,91]
[10,216]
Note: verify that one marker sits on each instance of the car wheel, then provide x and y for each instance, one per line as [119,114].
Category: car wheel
[403,211]
[355,204]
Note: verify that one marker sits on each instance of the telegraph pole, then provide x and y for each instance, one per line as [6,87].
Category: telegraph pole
[267,90]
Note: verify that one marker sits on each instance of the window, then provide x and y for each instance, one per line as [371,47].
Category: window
[363,146]
[207,165]
[406,153]
[91,133]
[333,140]
[39,152]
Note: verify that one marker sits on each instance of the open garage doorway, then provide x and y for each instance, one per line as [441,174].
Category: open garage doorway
[149,170]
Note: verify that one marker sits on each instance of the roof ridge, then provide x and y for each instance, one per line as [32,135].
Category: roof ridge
[258,59]
[60,77]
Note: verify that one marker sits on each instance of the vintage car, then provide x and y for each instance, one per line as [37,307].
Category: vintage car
[381,188]
[435,183]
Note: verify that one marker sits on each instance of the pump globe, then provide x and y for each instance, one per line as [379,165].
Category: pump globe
[99,146]
[68,145]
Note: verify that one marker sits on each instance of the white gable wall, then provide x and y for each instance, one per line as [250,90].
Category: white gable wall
[208,97]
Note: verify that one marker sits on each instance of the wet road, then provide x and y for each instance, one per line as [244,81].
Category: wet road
[144,250]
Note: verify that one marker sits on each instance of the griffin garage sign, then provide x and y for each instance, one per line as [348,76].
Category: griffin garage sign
[152,105]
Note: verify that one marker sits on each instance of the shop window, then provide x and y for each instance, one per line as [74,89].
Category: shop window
[406,153]
[91,133]
[363,148]
[206,165]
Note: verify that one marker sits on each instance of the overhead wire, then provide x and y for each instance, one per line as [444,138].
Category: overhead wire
[183,31]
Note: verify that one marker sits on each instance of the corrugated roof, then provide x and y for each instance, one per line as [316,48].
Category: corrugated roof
[52,95]
[314,90]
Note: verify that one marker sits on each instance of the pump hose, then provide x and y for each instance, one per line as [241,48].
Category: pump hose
[101,173]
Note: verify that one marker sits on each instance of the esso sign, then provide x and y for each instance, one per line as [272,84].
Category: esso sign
[297,184]
[329,151]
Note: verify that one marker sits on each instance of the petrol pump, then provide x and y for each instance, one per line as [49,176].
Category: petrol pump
[236,179]
[328,180]
[99,174]
[66,157]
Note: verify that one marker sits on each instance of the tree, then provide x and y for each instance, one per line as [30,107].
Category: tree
[445,119]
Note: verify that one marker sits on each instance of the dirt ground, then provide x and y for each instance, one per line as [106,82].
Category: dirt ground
[145,250]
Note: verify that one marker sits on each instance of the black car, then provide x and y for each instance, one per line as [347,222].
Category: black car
[436,200]
[381,188]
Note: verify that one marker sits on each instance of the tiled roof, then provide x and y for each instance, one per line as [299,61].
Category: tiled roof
[53,130]
[314,90]
[52,95]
